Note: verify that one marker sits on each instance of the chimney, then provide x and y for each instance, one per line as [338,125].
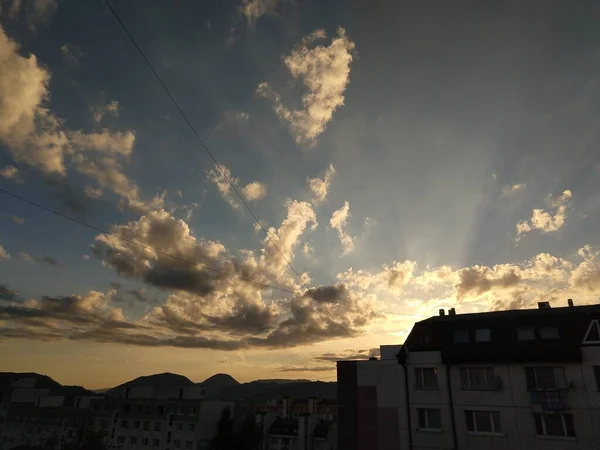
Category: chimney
[442,312]
[452,312]
[570,302]
[543,305]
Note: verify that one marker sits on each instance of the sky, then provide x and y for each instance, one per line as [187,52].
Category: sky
[400,157]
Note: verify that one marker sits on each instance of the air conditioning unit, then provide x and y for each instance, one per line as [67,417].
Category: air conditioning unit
[498,383]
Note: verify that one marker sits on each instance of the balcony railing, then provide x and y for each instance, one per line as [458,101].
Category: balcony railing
[549,399]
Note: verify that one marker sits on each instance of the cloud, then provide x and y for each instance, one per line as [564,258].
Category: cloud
[252,191]
[232,117]
[36,12]
[513,189]
[85,257]
[255,9]
[392,277]
[306,369]
[48,260]
[18,220]
[3,253]
[325,72]
[7,294]
[544,221]
[319,187]
[71,54]
[348,355]
[34,135]
[480,279]
[11,173]
[112,108]
[339,221]
[586,275]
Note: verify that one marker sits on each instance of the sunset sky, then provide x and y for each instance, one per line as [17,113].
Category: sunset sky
[403,157]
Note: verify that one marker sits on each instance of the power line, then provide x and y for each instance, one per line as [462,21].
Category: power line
[148,247]
[187,121]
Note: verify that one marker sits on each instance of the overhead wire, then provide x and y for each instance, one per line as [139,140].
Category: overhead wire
[212,157]
[151,248]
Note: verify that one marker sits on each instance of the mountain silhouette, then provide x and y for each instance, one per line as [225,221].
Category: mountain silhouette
[220,380]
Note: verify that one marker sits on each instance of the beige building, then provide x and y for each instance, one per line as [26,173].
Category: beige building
[510,380]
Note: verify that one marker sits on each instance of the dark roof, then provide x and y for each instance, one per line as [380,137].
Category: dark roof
[322,428]
[437,333]
[285,427]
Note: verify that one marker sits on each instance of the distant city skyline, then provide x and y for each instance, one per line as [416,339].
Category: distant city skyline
[402,157]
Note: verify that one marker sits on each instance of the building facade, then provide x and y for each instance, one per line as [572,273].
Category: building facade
[525,380]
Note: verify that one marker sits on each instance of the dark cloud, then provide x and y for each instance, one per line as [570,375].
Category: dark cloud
[138,294]
[480,279]
[191,280]
[40,259]
[327,293]
[7,294]
[74,199]
[247,318]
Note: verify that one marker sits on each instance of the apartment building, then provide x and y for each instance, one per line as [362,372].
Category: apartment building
[527,379]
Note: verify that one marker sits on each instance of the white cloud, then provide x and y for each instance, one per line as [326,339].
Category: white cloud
[513,189]
[325,72]
[320,186]
[85,257]
[3,253]
[252,191]
[112,108]
[91,192]
[544,221]
[232,117]
[11,173]
[254,9]
[339,221]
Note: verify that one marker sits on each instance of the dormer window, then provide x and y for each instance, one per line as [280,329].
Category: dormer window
[548,333]
[483,335]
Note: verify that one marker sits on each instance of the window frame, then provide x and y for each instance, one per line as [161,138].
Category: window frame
[494,420]
[488,374]
[559,381]
[426,412]
[419,373]
[565,427]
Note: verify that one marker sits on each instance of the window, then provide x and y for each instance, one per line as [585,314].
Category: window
[144,441]
[597,376]
[127,408]
[189,444]
[285,441]
[124,424]
[548,333]
[146,425]
[274,440]
[483,335]
[139,408]
[426,378]
[157,426]
[483,422]
[177,443]
[554,425]
[179,427]
[477,378]
[160,410]
[133,440]
[121,440]
[155,442]
[194,411]
[136,424]
[525,334]
[545,378]
[461,336]
[191,427]
[429,419]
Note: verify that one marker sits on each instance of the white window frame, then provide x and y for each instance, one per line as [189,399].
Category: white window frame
[490,383]
[420,378]
[490,414]
[427,427]
[565,435]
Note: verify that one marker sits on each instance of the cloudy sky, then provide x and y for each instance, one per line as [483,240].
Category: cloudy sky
[402,157]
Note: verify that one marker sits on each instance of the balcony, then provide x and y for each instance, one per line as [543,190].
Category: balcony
[551,400]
